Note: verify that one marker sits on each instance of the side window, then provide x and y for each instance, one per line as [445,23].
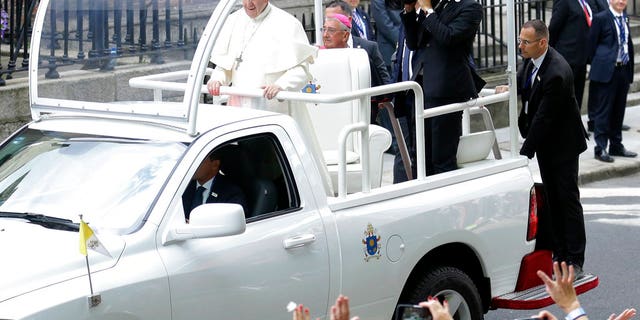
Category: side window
[270,182]
[251,171]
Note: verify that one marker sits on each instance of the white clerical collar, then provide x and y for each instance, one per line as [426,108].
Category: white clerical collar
[263,14]
[350,41]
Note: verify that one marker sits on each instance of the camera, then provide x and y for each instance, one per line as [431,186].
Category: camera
[412,312]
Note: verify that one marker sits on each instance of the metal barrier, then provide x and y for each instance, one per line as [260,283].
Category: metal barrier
[92,33]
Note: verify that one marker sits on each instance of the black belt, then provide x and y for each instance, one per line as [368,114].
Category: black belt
[620,64]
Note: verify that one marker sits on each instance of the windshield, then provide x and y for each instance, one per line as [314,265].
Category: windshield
[64,175]
[90,49]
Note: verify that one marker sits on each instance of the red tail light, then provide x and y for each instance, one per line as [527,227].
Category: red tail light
[532,227]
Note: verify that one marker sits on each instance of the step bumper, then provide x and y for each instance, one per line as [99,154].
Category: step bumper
[537,297]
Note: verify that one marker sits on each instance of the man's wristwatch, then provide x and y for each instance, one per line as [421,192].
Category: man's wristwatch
[575,314]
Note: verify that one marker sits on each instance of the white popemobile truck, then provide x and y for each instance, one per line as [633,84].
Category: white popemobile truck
[122,156]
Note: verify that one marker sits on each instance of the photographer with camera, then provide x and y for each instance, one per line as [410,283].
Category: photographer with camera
[445,30]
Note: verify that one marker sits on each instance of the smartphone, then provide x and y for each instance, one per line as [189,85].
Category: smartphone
[412,312]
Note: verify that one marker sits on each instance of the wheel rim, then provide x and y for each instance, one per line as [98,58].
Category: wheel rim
[458,306]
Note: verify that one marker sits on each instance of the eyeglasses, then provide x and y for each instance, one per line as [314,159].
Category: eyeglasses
[330,31]
[527,42]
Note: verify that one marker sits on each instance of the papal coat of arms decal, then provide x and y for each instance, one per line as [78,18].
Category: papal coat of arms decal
[371,243]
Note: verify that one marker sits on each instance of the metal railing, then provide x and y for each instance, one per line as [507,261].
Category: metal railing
[92,33]
[131,28]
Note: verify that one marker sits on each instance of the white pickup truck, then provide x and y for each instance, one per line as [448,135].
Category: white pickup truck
[122,157]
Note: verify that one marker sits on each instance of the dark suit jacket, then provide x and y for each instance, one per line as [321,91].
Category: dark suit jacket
[225,192]
[396,67]
[447,39]
[387,25]
[367,24]
[598,5]
[569,31]
[379,73]
[552,127]
[403,103]
[603,47]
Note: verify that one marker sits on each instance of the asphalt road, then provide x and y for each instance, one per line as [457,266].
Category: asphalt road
[612,217]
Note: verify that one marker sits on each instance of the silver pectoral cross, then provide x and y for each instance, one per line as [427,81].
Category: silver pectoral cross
[238,60]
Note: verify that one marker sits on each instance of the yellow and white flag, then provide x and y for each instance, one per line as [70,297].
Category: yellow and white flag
[89,240]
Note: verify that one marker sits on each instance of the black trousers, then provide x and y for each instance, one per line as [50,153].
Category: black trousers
[609,103]
[564,217]
[441,136]
[579,77]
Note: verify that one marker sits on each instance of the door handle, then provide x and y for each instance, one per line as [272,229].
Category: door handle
[298,241]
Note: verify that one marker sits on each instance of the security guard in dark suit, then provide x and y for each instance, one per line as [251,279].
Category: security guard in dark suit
[445,31]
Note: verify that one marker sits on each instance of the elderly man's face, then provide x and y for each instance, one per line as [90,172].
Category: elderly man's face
[253,8]
[334,35]
[353,3]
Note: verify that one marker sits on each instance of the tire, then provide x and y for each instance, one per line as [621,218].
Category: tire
[453,285]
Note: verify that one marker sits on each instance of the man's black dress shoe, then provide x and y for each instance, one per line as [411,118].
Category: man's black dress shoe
[604,157]
[625,127]
[577,271]
[623,153]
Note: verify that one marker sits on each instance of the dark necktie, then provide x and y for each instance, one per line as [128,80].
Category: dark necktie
[197,197]
[624,56]
[529,81]
[405,62]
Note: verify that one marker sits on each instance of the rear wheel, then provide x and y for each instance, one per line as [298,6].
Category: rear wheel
[452,285]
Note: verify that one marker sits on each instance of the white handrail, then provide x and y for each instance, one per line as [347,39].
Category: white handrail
[395,87]
[362,127]
[488,96]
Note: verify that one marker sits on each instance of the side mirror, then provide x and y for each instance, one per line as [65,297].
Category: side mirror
[211,220]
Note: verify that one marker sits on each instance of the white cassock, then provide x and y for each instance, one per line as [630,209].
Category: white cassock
[271,49]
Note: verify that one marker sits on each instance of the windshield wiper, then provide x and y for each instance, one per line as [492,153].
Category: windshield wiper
[45,221]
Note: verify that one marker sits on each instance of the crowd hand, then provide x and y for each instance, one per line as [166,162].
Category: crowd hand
[214,87]
[501,89]
[438,311]
[425,4]
[624,315]
[546,315]
[561,289]
[340,310]
[301,313]
[271,91]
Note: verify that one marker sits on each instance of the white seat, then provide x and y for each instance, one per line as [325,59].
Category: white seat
[341,71]
[475,147]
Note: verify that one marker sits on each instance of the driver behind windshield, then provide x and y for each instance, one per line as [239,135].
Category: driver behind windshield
[208,185]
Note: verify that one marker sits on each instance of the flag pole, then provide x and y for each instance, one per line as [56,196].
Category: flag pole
[86,258]
[93,299]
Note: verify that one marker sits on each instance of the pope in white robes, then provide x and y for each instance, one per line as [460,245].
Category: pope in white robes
[265,47]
